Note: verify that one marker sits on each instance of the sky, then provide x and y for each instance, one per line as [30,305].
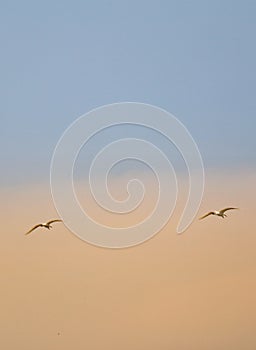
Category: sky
[59,60]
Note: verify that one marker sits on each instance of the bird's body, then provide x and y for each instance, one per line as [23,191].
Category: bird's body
[45,225]
[220,213]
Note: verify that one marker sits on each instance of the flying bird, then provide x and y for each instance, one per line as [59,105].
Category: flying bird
[46,225]
[217,212]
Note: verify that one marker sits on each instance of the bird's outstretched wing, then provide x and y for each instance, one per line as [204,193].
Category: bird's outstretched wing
[51,221]
[225,209]
[204,216]
[33,228]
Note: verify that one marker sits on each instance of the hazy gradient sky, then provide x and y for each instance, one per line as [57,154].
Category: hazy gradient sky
[60,59]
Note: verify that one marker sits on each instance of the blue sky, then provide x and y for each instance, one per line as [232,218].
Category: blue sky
[60,59]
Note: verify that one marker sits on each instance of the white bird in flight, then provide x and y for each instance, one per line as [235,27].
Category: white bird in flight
[217,212]
[46,225]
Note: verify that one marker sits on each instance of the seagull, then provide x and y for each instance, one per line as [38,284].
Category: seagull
[217,212]
[46,225]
